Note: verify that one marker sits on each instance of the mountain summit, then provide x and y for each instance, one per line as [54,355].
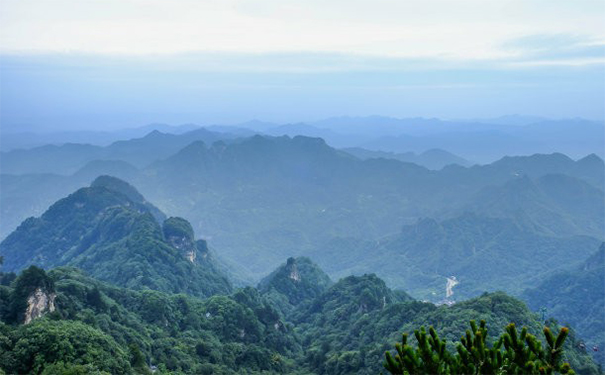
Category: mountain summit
[299,280]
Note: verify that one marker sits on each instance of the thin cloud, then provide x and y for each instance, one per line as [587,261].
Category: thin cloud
[468,30]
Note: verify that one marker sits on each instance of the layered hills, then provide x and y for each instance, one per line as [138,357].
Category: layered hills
[263,199]
[68,158]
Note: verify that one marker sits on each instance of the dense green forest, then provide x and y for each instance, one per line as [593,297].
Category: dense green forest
[117,330]
[94,326]
[345,329]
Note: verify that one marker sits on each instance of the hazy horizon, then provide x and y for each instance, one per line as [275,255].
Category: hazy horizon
[116,64]
[505,120]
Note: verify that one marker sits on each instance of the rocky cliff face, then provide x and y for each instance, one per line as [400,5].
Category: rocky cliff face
[185,245]
[179,233]
[39,303]
[294,274]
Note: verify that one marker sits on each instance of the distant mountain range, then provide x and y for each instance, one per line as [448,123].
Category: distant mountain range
[28,137]
[68,158]
[481,141]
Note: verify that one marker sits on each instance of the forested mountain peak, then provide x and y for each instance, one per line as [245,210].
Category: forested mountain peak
[140,152]
[115,238]
[260,147]
[154,134]
[299,280]
[193,150]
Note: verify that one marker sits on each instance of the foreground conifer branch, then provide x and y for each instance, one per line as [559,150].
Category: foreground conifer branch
[511,353]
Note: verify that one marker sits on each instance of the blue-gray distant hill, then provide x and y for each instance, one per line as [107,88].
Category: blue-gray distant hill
[431,159]
[70,157]
[481,142]
[18,137]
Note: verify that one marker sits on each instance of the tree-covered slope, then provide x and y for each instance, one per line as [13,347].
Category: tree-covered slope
[102,327]
[481,253]
[120,186]
[576,297]
[110,231]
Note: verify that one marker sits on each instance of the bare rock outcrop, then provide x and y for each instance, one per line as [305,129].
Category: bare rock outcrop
[39,303]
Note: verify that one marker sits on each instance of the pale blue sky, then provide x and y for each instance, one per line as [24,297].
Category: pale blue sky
[115,63]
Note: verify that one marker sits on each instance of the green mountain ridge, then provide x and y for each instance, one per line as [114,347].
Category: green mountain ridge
[110,231]
[348,328]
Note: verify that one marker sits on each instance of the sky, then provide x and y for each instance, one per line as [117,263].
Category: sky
[120,63]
